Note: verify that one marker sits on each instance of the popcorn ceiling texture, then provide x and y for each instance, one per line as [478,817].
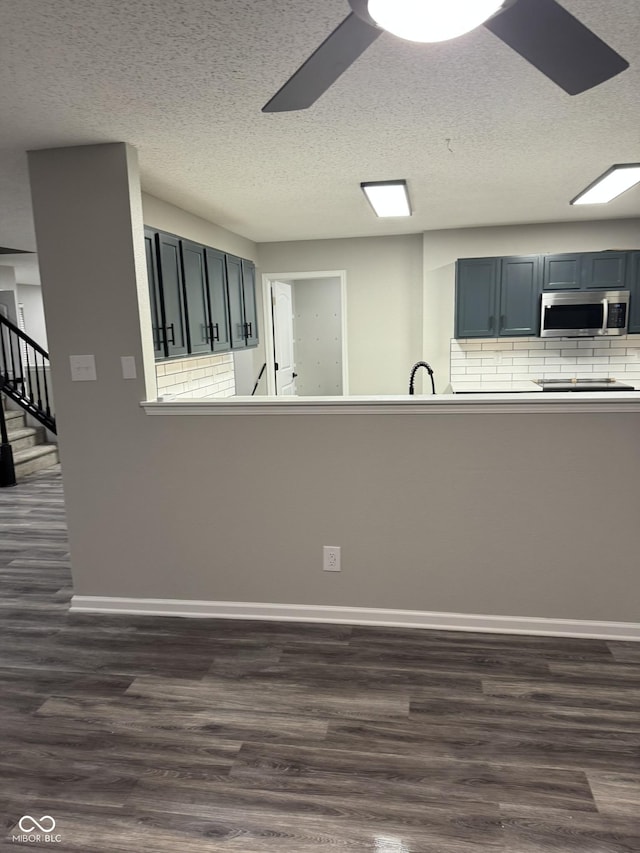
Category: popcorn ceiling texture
[512,359]
[184,82]
[203,377]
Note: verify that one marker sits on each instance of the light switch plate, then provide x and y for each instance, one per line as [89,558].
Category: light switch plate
[128,367]
[83,368]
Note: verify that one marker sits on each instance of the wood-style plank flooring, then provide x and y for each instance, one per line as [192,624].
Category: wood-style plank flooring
[153,734]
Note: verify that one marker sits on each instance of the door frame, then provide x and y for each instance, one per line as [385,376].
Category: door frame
[267,323]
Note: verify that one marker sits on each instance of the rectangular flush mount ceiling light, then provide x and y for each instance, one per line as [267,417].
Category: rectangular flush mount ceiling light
[388,198]
[614,182]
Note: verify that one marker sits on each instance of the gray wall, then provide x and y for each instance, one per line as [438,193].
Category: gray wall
[384,301]
[463,513]
[317,329]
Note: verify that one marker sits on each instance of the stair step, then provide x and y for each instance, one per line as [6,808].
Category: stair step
[24,437]
[14,419]
[35,459]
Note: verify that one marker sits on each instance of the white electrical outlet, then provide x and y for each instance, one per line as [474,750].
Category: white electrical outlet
[331,558]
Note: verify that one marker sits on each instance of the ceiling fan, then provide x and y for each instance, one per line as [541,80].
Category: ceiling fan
[541,31]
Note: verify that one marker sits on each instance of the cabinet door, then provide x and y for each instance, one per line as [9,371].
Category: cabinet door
[197,296]
[236,306]
[520,296]
[172,291]
[604,270]
[561,272]
[157,324]
[476,297]
[633,284]
[250,307]
[217,283]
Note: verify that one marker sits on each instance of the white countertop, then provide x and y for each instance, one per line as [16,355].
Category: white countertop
[522,386]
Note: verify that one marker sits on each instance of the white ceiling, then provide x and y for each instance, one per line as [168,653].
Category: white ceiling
[184,82]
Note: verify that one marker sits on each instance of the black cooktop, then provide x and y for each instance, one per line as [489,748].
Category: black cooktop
[584,385]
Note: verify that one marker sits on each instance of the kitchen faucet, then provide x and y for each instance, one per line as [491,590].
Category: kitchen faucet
[413,375]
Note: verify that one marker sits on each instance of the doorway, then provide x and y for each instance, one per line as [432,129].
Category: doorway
[305,322]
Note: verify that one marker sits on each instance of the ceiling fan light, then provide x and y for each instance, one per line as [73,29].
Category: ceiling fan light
[615,181]
[431,20]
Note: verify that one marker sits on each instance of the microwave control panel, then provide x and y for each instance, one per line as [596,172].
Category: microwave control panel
[617,315]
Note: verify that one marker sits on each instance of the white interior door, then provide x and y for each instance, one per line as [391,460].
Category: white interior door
[282,303]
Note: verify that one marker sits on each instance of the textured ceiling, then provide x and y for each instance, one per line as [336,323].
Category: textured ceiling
[481,136]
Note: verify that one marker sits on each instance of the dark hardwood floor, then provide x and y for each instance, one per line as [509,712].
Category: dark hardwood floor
[150,734]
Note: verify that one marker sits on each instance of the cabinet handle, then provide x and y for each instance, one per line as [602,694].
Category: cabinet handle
[173,335]
[492,320]
[249,329]
[215,333]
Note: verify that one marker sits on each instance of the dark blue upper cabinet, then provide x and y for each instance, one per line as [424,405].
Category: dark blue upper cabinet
[217,280]
[250,306]
[157,322]
[561,272]
[519,296]
[604,270]
[633,284]
[195,286]
[201,299]
[236,303]
[476,297]
[172,292]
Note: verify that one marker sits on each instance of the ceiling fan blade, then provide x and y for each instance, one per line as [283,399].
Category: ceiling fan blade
[324,66]
[549,37]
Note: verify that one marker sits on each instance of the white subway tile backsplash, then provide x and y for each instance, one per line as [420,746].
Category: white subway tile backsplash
[500,345]
[622,359]
[522,361]
[534,358]
[529,344]
[202,378]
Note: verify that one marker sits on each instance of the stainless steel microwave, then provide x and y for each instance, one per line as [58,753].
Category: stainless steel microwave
[587,314]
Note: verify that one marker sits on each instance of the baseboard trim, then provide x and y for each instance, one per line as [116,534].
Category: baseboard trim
[358,616]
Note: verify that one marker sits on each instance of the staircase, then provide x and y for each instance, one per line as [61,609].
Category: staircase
[24,380]
[31,451]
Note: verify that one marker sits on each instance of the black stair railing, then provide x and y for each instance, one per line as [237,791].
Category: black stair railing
[25,373]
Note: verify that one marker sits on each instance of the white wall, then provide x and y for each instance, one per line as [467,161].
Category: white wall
[9,293]
[384,301]
[317,329]
[167,217]
[443,248]
[30,296]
